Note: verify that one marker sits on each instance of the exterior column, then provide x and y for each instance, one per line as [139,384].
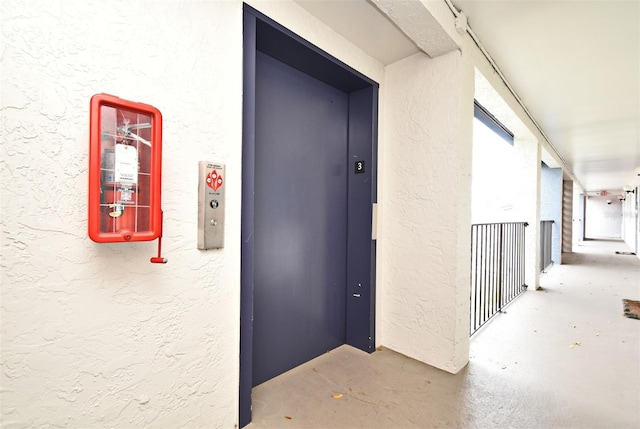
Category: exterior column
[567,217]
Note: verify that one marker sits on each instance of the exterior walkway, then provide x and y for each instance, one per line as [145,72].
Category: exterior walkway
[560,357]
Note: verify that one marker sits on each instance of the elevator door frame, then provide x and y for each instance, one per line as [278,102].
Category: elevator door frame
[265,35]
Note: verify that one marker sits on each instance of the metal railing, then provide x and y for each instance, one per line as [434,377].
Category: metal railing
[497,268]
[546,237]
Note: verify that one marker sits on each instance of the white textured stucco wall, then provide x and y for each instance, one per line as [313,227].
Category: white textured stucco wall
[93,335]
[579,201]
[526,203]
[603,220]
[425,235]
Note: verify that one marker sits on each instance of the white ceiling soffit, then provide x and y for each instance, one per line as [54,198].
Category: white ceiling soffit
[364,26]
[575,65]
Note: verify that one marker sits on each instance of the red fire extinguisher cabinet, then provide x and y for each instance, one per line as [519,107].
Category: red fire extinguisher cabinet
[125,168]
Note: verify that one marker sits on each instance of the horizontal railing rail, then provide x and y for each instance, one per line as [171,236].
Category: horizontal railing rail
[546,237]
[497,268]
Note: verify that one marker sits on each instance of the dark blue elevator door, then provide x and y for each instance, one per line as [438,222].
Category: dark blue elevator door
[300,218]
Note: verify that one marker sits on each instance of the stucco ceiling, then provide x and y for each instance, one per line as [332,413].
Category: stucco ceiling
[575,65]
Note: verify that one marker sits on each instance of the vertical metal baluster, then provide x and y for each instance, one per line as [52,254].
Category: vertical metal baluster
[497,269]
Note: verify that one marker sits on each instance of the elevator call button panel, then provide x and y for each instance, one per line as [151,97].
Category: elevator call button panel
[211,189]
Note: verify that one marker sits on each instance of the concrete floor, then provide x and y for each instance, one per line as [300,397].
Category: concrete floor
[560,357]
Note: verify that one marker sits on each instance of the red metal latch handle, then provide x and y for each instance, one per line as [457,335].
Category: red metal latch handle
[159,259]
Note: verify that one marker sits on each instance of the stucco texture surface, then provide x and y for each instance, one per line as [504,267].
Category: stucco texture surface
[93,335]
[423,292]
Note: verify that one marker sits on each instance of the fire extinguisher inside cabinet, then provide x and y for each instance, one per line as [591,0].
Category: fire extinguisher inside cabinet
[125,170]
